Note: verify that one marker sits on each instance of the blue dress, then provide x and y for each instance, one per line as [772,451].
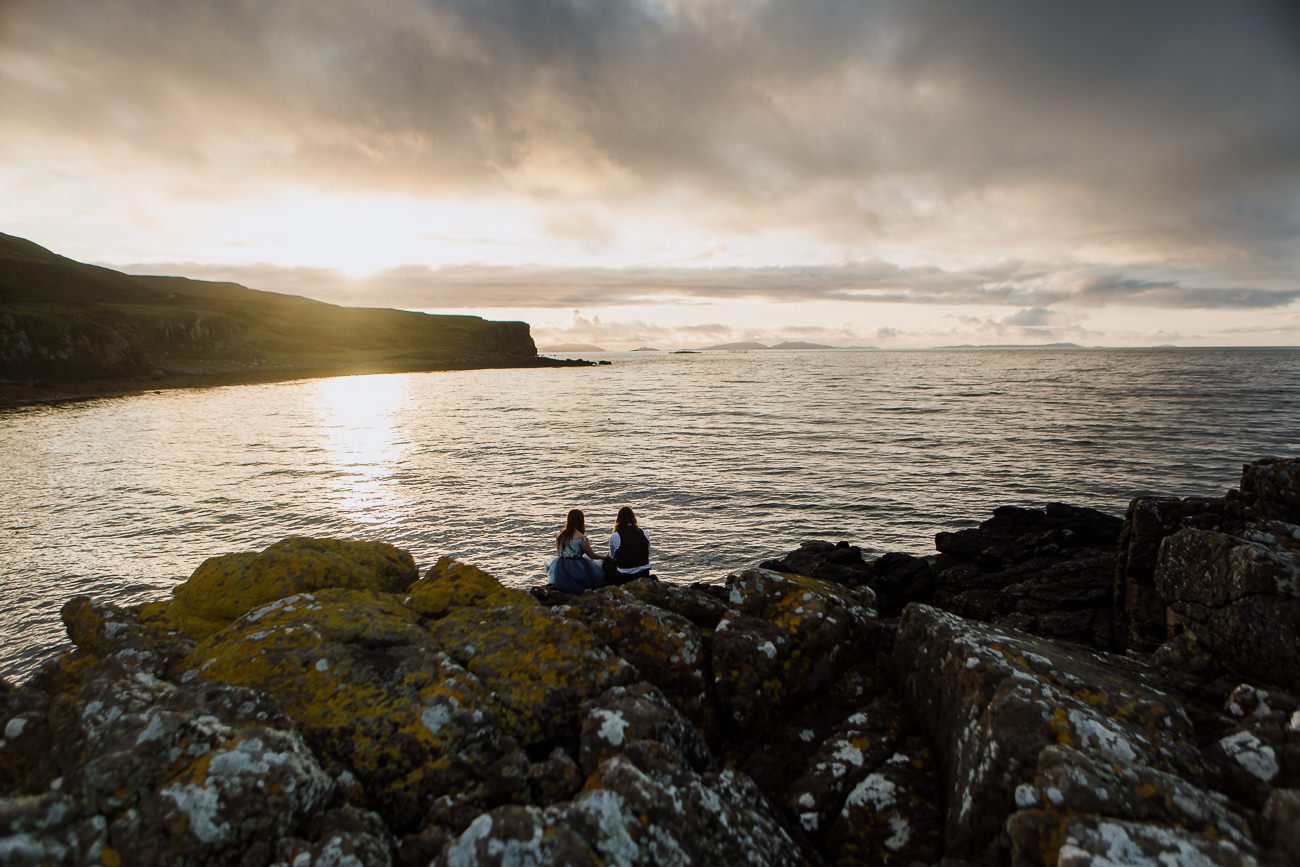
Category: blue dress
[574,573]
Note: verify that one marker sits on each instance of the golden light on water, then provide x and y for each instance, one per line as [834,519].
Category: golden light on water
[358,424]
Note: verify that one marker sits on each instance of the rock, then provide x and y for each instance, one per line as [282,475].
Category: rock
[1273,487]
[892,815]
[786,637]
[1046,571]
[226,587]
[1139,607]
[640,721]
[666,649]
[151,772]
[698,603]
[102,629]
[1090,841]
[631,816]
[448,585]
[1240,598]
[343,836]
[538,665]
[836,562]
[377,698]
[1282,814]
[993,699]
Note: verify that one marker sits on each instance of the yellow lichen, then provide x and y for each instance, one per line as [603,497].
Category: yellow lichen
[448,585]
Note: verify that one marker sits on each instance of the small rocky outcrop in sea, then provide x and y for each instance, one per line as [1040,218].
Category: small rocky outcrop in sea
[321,703]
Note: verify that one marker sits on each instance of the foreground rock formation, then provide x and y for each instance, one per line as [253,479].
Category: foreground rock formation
[322,703]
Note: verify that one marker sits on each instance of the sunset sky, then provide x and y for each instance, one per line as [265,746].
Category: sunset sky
[682,172]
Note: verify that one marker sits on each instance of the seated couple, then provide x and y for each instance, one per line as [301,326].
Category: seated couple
[576,568]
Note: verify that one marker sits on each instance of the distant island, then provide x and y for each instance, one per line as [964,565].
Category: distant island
[645,349]
[70,330]
[747,345]
[572,347]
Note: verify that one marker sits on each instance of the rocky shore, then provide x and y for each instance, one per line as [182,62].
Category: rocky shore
[1054,687]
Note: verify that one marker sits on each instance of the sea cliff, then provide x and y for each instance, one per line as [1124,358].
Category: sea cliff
[68,329]
[1054,687]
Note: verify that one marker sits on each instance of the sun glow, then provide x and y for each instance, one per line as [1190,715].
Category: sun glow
[358,416]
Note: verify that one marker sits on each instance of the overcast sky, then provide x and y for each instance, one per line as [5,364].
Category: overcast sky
[678,172]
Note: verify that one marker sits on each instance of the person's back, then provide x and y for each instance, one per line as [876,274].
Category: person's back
[629,548]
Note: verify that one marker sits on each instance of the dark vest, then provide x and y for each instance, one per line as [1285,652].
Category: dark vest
[633,549]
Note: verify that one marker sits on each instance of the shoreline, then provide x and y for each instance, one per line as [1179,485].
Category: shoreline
[16,395]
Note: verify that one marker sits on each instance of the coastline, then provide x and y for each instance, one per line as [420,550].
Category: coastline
[16,395]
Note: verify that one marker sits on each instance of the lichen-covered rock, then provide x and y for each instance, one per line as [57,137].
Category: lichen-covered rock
[226,587]
[1273,486]
[448,585]
[539,666]
[891,816]
[1070,784]
[376,697]
[154,773]
[993,699]
[786,636]
[666,648]
[699,607]
[639,720]
[1090,842]
[1241,597]
[630,816]
[1282,815]
[343,837]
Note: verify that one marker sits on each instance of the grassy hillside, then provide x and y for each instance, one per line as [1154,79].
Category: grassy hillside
[68,324]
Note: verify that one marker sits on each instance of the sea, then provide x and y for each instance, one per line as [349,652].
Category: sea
[728,458]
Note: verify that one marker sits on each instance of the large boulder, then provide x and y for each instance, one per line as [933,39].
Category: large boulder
[229,586]
[785,637]
[666,648]
[151,772]
[379,701]
[1272,486]
[994,699]
[1240,597]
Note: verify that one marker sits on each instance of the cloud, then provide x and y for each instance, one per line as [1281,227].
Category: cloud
[921,122]
[1013,284]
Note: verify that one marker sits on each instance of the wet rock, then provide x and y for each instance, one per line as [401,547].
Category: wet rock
[1240,597]
[666,649]
[226,587]
[837,562]
[993,699]
[786,636]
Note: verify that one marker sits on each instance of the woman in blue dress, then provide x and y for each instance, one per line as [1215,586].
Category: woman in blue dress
[575,569]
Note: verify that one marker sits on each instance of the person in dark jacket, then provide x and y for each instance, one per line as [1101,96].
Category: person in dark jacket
[629,550]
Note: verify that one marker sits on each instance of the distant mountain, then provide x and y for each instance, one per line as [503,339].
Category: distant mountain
[733,347]
[1013,346]
[645,349]
[68,327]
[571,347]
[799,344]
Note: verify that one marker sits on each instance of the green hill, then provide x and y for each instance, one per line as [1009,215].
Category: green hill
[65,325]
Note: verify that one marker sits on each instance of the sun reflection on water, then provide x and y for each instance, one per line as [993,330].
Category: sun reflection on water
[359,416]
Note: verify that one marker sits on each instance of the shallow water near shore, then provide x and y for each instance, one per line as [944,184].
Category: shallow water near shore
[728,457]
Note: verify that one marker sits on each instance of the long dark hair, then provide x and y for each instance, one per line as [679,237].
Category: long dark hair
[626,518]
[575,523]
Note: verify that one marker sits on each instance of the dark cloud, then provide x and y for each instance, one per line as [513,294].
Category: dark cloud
[1166,128]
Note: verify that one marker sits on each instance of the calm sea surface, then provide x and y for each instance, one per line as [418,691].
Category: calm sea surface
[728,457]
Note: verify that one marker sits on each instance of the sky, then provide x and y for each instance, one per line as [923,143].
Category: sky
[677,173]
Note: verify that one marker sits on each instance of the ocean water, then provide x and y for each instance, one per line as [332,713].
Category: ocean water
[729,458]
